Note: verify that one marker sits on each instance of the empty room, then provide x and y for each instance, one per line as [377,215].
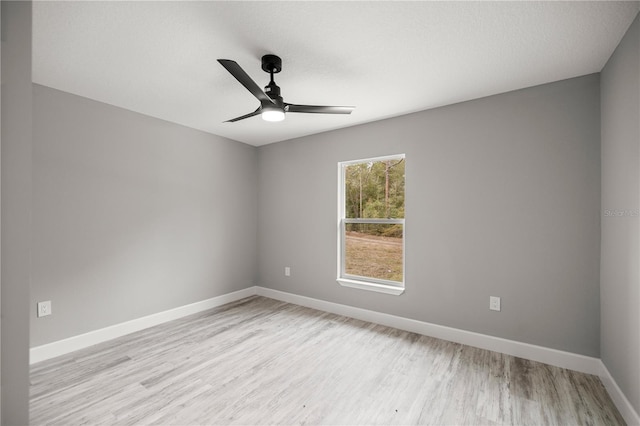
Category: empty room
[320,212]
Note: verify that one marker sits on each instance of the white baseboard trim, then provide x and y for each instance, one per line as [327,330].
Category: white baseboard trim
[61,347]
[624,406]
[572,361]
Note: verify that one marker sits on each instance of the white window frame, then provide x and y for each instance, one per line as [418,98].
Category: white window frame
[356,281]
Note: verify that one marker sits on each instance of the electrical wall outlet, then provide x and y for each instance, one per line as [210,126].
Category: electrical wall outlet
[44,308]
[494,303]
[287,271]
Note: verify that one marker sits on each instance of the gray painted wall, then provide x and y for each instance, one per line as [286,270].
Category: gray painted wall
[620,267]
[16,210]
[1,40]
[502,199]
[133,215]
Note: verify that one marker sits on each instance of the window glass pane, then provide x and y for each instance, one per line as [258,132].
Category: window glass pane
[375,189]
[374,250]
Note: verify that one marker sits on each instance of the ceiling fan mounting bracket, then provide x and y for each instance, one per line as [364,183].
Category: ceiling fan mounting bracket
[271,64]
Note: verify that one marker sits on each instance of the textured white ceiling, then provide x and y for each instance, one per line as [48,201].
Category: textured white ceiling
[387,58]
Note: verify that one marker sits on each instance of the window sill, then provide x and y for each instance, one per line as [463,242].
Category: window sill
[364,285]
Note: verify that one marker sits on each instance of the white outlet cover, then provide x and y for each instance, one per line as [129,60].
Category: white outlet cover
[44,308]
[494,303]
[287,271]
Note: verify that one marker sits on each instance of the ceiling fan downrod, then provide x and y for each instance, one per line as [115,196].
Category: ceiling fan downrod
[273,65]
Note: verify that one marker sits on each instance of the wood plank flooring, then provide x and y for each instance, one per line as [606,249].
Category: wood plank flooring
[261,361]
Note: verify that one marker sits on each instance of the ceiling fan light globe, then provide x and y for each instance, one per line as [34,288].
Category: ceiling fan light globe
[272,115]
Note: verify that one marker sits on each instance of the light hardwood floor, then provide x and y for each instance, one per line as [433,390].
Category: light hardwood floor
[261,361]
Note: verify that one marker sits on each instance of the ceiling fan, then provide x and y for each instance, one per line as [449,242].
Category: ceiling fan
[272,106]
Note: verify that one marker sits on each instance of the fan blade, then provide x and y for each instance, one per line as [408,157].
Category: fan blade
[256,112]
[245,80]
[319,109]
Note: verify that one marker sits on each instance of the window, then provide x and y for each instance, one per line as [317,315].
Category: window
[371,219]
